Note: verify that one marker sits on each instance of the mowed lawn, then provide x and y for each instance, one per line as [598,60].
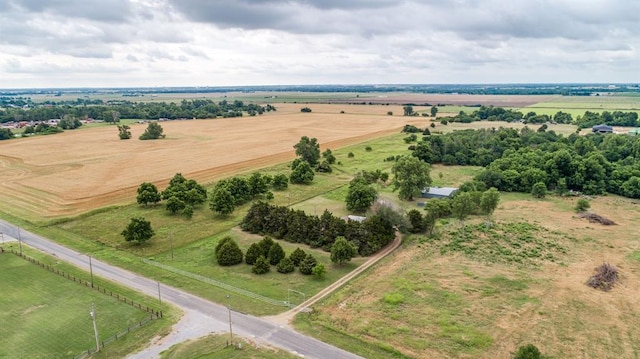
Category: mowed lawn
[46,316]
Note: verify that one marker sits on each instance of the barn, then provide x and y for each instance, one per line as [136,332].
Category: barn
[602,129]
[438,192]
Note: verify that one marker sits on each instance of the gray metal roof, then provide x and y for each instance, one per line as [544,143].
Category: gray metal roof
[441,191]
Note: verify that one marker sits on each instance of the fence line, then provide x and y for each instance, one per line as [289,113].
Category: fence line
[153,314]
[219,284]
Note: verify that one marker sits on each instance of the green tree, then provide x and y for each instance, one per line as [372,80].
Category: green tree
[153,132]
[124,132]
[308,150]
[261,266]
[528,351]
[297,256]
[462,206]
[408,110]
[489,201]
[301,172]
[329,157]
[221,243]
[138,230]
[5,134]
[342,251]
[285,266]
[360,196]
[319,270]
[418,224]
[222,201]
[434,111]
[229,254]
[280,182]
[175,205]
[411,175]
[539,190]
[276,254]
[582,205]
[148,193]
[265,244]
[307,264]
[253,253]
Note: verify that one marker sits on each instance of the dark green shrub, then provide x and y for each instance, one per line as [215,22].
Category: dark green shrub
[528,351]
[261,266]
[297,256]
[253,253]
[276,254]
[229,254]
[285,266]
[306,266]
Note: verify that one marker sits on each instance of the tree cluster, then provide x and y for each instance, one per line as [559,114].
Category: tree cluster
[153,132]
[615,118]
[317,231]
[516,160]
[236,191]
[264,254]
[5,134]
[361,195]
[138,231]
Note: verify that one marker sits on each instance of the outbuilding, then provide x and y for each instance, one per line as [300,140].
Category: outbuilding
[438,192]
[602,129]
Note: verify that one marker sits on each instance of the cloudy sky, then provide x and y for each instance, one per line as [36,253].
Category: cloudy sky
[103,43]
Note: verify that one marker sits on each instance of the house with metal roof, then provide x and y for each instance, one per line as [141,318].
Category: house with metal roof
[602,129]
[438,192]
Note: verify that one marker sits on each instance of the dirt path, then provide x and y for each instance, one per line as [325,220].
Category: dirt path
[286,317]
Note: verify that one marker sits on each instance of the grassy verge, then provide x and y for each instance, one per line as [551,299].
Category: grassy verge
[215,346]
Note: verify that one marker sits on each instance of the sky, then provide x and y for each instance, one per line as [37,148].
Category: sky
[134,43]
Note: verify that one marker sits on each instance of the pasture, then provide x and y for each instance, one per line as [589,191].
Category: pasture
[424,301]
[47,316]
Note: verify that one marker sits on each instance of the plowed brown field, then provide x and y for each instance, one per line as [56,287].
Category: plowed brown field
[76,171]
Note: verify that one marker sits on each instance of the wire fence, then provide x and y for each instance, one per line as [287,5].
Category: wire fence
[218,284]
[153,314]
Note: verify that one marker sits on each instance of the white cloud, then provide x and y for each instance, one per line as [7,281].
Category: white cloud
[66,43]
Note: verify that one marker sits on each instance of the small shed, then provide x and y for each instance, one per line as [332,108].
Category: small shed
[634,132]
[602,129]
[438,192]
[352,217]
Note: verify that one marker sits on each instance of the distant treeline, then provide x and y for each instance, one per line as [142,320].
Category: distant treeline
[516,160]
[589,119]
[473,89]
[114,110]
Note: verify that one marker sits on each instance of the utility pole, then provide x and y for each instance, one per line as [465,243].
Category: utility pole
[171,240]
[91,271]
[20,241]
[92,313]
[230,327]
[159,297]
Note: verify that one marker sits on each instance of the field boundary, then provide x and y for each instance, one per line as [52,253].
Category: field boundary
[153,314]
[218,284]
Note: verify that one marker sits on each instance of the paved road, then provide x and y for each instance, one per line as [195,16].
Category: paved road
[206,317]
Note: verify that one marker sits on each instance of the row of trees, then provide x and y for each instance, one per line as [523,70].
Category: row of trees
[589,119]
[318,231]
[183,195]
[202,108]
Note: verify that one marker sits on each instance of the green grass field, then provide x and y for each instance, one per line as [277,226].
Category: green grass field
[47,316]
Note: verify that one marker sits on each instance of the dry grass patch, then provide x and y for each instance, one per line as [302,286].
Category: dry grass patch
[425,304]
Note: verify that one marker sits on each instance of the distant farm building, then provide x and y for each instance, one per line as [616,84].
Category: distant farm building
[438,192]
[602,129]
[356,218]
[634,132]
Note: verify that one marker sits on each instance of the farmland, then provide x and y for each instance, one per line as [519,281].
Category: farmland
[46,316]
[423,301]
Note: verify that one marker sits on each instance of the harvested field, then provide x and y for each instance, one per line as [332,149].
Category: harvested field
[453,99]
[77,171]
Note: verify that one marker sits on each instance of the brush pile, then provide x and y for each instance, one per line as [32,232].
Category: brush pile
[605,278]
[596,218]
